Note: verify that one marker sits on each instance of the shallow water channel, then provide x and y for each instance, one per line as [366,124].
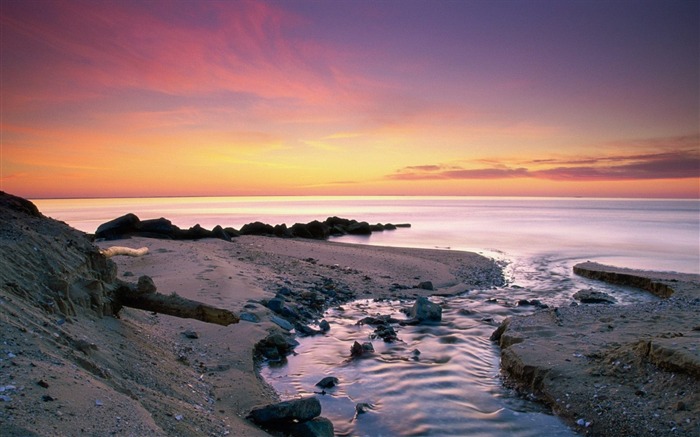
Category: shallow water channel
[438,379]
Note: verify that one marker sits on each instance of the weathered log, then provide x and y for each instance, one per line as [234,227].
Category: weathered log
[173,305]
[119,250]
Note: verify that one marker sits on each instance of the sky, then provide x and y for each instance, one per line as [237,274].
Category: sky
[213,98]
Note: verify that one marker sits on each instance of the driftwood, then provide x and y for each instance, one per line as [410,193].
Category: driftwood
[144,297]
[119,250]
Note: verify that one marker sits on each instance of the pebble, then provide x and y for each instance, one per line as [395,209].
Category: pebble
[98,402]
[179,417]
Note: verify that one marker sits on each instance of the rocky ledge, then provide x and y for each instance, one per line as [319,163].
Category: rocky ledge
[613,369]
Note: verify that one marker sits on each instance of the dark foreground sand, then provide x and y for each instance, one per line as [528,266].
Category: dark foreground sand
[69,367]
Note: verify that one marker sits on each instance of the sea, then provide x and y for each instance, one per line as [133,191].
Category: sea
[442,379]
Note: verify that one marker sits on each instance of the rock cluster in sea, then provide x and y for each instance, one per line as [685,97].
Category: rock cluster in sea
[296,417]
[130,225]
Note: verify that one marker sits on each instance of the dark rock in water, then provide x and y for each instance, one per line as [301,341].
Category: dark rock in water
[389,227]
[378,320]
[324,326]
[532,302]
[358,349]
[300,230]
[425,310]
[318,230]
[377,228]
[386,333]
[363,407]
[298,409]
[594,296]
[426,285]
[361,228]
[275,346]
[118,227]
[305,329]
[328,382]
[316,427]
[257,228]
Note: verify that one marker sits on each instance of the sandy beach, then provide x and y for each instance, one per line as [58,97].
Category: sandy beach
[73,363]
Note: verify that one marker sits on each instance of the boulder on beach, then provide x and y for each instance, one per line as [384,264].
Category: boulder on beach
[593,296]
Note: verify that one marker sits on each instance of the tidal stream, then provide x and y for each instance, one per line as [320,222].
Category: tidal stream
[437,379]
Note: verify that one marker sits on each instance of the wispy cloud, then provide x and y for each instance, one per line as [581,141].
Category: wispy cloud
[674,164]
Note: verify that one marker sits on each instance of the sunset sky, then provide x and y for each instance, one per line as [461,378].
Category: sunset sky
[182,98]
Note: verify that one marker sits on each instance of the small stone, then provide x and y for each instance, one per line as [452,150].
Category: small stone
[43,383]
[249,317]
[179,417]
[324,326]
[328,382]
[363,407]
[190,334]
[47,398]
[5,398]
[11,355]
[98,402]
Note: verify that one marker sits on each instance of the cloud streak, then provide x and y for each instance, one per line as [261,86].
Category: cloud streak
[679,164]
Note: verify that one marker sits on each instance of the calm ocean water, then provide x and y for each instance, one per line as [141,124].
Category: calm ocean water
[651,234]
[453,386]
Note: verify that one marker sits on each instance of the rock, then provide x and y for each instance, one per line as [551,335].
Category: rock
[257,228]
[305,329]
[249,317]
[275,346]
[159,228]
[196,232]
[298,409]
[363,407]
[425,310]
[426,285]
[328,382]
[361,228]
[42,383]
[276,304]
[300,230]
[318,230]
[145,285]
[220,233]
[316,427]
[324,326]
[190,334]
[593,296]
[282,323]
[120,226]
[282,231]
[358,349]
[531,302]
